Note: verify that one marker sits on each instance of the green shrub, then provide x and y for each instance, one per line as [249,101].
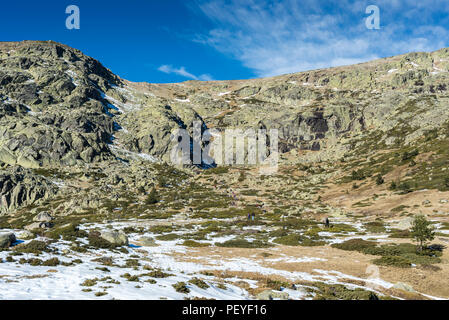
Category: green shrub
[217,170]
[394,233]
[297,224]
[289,240]
[340,227]
[130,278]
[34,246]
[158,274]
[194,244]
[152,197]
[278,233]
[181,287]
[132,263]
[69,233]
[89,282]
[199,283]
[242,243]
[168,237]
[446,182]
[375,227]
[354,245]
[358,175]
[409,155]
[405,187]
[32,261]
[393,186]
[394,261]
[307,242]
[379,180]
[53,262]
[276,284]
[340,292]
[161,229]
[106,261]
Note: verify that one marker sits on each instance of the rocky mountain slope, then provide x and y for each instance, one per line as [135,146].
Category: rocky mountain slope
[61,110]
[87,182]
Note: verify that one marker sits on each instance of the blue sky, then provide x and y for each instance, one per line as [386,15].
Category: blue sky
[175,40]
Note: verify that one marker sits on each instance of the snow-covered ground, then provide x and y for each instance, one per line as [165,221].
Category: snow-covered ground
[114,280]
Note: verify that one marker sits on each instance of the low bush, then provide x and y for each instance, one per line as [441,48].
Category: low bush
[242,243]
[340,292]
[194,244]
[69,233]
[34,246]
[354,245]
[394,261]
[199,283]
[375,227]
[181,287]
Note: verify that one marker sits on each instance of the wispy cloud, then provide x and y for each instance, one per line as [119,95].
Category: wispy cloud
[277,37]
[183,73]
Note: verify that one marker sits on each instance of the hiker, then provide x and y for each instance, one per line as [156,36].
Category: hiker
[253,216]
[249,216]
[326,222]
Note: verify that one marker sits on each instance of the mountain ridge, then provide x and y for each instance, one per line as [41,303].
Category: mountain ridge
[69,110]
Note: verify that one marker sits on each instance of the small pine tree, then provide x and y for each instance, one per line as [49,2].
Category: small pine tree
[393,185]
[152,197]
[422,231]
[141,190]
[162,182]
[405,187]
[379,180]
[357,175]
[446,182]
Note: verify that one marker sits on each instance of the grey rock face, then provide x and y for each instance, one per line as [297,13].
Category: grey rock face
[20,187]
[38,225]
[115,237]
[147,242]
[51,108]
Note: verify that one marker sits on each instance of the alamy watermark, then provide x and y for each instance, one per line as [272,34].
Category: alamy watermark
[209,147]
[373,280]
[73,20]
[373,20]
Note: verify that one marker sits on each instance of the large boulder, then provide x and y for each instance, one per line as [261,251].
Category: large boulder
[43,217]
[26,235]
[7,239]
[38,225]
[272,294]
[118,238]
[404,224]
[147,242]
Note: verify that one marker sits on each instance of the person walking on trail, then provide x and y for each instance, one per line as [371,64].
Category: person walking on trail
[249,216]
[326,222]
[253,216]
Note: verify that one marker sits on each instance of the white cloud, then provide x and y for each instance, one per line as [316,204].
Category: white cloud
[277,37]
[184,73]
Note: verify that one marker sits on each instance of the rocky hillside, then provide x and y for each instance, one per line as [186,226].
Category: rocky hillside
[62,112]
[91,205]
